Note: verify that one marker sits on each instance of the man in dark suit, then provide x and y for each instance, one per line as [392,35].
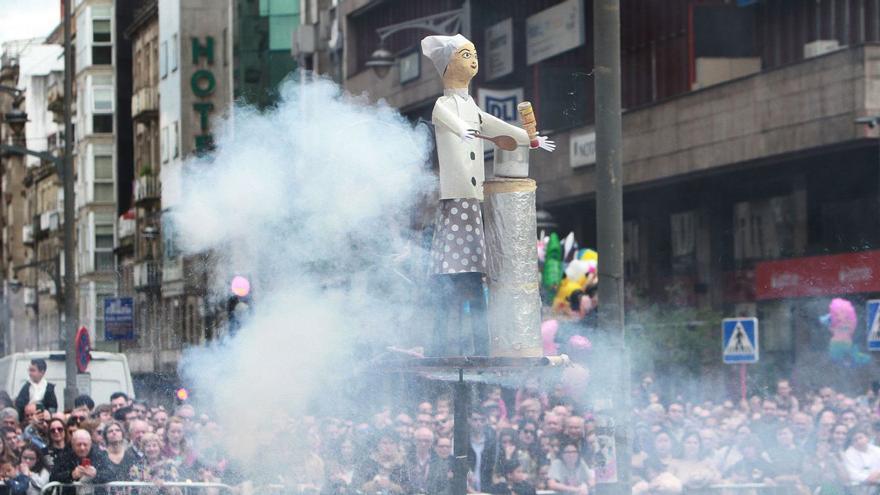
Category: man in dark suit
[424,471]
[482,452]
[37,389]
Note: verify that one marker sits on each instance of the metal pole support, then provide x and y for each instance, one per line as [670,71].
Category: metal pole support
[461,437]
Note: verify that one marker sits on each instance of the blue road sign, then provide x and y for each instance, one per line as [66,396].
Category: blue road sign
[740,340]
[873,320]
[118,318]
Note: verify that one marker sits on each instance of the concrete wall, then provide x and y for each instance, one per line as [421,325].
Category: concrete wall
[807,105]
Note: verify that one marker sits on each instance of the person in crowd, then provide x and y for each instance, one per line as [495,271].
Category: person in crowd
[137,429]
[80,463]
[37,388]
[175,446]
[754,466]
[552,424]
[528,446]
[13,482]
[383,470]
[57,441]
[861,459]
[103,413]
[507,450]
[341,466]
[153,466]
[481,451]
[823,471]
[159,419]
[85,401]
[542,479]
[838,437]
[570,474]
[424,472]
[657,480]
[675,424]
[118,400]
[693,469]
[33,468]
[787,459]
[785,400]
[9,417]
[514,481]
[117,459]
[574,430]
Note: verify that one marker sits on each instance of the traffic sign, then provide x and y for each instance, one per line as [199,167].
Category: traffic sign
[118,318]
[873,325]
[740,340]
[83,349]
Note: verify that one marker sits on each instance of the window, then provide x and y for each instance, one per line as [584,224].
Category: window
[174,53]
[102,41]
[176,140]
[165,144]
[163,60]
[104,259]
[102,104]
[103,174]
[102,123]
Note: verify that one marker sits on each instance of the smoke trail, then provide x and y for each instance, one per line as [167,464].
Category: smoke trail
[313,201]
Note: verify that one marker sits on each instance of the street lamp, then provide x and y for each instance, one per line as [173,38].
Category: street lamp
[446,23]
[381,62]
[16,120]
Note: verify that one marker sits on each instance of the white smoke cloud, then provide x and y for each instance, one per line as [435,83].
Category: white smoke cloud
[312,200]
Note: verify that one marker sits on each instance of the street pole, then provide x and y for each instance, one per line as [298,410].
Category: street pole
[609,217]
[69,329]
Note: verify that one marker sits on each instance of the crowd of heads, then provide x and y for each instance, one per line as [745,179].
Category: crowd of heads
[537,436]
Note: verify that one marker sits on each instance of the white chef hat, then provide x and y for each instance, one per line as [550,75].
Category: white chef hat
[440,48]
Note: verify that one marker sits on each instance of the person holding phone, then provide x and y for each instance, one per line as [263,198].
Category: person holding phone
[77,464]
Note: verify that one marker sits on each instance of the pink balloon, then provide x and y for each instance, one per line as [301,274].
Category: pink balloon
[240,286]
[548,334]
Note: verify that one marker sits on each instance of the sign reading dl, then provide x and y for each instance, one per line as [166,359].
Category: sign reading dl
[740,340]
[873,320]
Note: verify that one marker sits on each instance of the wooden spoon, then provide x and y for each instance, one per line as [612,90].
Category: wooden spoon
[507,143]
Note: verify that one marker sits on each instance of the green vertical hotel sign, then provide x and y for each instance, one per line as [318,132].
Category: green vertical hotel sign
[203,84]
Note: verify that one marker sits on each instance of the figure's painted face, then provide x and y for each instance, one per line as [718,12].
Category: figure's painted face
[463,66]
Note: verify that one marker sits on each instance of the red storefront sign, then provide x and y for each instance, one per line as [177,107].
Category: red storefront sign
[818,276]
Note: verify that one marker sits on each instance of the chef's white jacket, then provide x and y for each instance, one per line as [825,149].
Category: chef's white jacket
[461,161]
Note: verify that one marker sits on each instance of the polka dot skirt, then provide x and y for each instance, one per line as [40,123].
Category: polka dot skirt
[458,245]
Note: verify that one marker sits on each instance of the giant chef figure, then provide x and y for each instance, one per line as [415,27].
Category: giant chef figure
[458,248]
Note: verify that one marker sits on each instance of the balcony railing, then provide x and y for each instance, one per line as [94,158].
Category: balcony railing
[147,275]
[125,228]
[145,103]
[147,188]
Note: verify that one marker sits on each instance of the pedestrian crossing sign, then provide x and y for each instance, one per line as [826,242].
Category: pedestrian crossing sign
[740,340]
[874,325]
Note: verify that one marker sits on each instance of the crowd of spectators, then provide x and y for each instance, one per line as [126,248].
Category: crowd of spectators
[522,441]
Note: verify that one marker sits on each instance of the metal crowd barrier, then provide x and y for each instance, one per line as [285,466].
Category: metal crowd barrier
[141,487]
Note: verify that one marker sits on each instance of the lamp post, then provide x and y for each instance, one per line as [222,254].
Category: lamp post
[447,23]
[16,120]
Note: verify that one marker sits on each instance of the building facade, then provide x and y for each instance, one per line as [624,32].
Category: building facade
[743,165]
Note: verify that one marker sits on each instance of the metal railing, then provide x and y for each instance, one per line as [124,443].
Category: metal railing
[125,487]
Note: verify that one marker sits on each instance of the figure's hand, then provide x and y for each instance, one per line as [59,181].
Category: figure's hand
[468,135]
[545,144]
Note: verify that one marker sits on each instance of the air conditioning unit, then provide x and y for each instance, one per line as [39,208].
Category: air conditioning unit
[29,296]
[820,47]
[27,234]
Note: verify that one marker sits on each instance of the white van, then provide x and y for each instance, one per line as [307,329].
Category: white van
[107,373]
